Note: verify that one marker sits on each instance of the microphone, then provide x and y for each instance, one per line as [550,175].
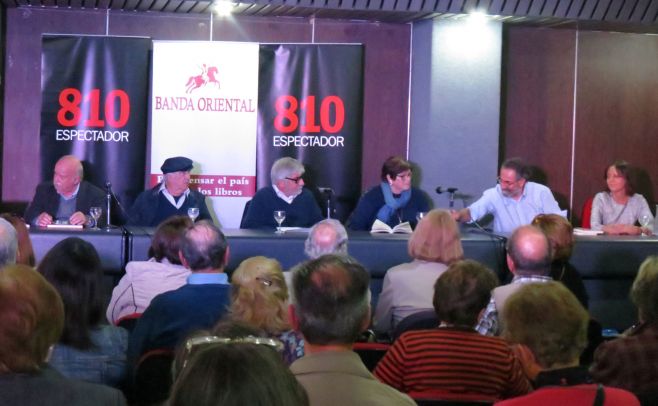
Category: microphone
[441,190]
[326,190]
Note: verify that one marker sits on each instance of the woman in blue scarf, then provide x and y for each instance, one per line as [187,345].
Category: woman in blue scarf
[394,201]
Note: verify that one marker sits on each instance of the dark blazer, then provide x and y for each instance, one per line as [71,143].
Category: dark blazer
[49,387]
[46,200]
[144,210]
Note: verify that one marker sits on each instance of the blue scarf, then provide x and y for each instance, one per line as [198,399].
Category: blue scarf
[391,203]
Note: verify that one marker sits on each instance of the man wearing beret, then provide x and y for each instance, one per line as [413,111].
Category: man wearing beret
[67,198]
[170,198]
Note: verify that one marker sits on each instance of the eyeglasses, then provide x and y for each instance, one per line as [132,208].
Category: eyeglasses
[296,180]
[214,340]
[506,182]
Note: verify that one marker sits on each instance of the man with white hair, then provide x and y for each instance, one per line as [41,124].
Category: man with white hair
[326,237]
[171,197]
[8,243]
[287,193]
[67,198]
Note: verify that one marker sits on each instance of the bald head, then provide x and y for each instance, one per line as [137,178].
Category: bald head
[68,175]
[528,251]
[326,237]
[204,248]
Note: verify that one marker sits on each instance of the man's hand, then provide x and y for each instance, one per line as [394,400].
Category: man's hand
[463,215]
[78,218]
[44,219]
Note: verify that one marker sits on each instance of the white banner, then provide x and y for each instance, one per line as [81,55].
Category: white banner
[203,106]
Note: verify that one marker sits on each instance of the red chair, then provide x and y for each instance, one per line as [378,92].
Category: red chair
[152,378]
[370,353]
[128,322]
[586,213]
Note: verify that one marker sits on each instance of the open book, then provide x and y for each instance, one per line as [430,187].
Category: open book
[380,227]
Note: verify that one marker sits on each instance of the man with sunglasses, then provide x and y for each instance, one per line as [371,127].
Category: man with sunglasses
[287,193]
[513,202]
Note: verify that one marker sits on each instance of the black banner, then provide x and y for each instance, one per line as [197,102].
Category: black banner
[94,106]
[310,108]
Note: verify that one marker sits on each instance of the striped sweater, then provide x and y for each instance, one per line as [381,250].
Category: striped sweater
[454,361]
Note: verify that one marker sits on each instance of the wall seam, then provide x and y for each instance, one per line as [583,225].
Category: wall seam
[573,126]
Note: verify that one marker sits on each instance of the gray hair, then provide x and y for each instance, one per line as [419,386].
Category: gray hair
[530,251]
[8,243]
[331,299]
[285,167]
[326,237]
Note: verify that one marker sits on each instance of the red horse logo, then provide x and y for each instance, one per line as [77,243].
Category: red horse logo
[206,77]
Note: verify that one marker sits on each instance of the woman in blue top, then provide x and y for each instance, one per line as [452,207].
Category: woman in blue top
[393,202]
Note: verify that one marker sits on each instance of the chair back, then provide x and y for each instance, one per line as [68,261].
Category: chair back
[586,214]
[425,320]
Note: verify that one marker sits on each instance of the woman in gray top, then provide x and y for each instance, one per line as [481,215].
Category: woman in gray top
[617,210]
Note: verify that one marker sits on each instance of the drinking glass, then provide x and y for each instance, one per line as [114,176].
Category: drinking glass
[95,212]
[193,213]
[645,220]
[279,216]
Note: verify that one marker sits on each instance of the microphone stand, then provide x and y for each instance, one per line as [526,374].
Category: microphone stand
[327,191]
[108,201]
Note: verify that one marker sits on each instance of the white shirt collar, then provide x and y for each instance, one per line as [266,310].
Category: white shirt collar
[171,199]
[282,196]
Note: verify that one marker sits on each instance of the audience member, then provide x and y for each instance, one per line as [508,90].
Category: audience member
[66,199]
[424,361]
[144,280]
[259,296]
[240,371]
[170,197]
[529,260]
[8,243]
[619,208]
[408,288]
[549,320]
[326,237]
[559,232]
[393,201]
[514,202]
[630,362]
[24,252]
[31,322]
[331,308]
[287,193]
[88,350]
[196,305]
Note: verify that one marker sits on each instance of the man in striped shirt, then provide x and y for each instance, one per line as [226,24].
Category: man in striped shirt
[454,361]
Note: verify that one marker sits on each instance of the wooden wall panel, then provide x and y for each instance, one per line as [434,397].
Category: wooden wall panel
[386,87]
[617,107]
[262,29]
[22,107]
[538,103]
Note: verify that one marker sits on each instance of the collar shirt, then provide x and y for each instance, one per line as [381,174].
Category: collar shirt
[177,204]
[282,196]
[510,213]
[207,278]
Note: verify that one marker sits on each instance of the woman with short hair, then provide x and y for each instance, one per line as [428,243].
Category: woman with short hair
[144,280]
[407,288]
[454,361]
[393,202]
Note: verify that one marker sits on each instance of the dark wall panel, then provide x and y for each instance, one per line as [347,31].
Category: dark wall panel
[538,106]
[22,109]
[181,27]
[617,110]
[386,87]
